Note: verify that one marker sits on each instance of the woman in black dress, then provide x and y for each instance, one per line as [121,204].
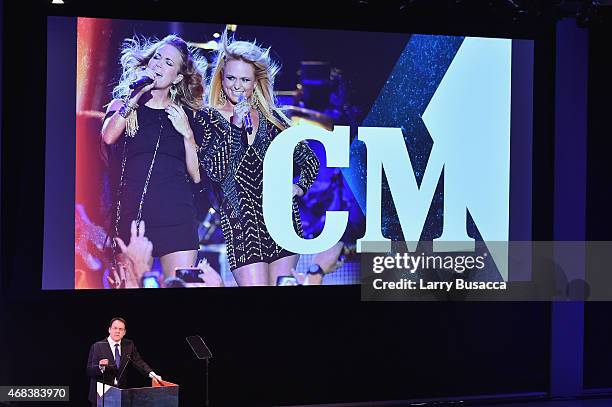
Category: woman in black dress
[232,154]
[151,127]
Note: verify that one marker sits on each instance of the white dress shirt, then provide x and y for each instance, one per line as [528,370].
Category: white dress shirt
[112,346]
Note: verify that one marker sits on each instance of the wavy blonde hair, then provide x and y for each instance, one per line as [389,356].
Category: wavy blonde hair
[265,72]
[136,52]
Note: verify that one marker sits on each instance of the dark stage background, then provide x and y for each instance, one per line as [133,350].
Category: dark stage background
[271,346]
[598,331]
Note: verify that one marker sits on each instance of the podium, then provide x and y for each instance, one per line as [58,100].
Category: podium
[155,396]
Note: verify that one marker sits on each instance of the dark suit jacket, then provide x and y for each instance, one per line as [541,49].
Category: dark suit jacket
[102,350]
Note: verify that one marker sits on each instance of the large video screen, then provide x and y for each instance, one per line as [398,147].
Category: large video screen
[156,176]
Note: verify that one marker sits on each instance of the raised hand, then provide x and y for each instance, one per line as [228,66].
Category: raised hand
[179,120]
[148,72]
[137,256]
[240,110]
[210,276]
[328,259]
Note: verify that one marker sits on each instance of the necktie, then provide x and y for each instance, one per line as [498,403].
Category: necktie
[117,356]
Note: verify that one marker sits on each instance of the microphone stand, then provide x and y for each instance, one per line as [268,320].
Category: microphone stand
[103,383]
[207,401]
[118,377]
[123,370]
[103,368]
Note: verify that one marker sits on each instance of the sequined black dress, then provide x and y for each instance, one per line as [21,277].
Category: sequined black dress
[168,206]
[237,168]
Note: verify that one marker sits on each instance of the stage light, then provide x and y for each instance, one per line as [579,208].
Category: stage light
[216,35]
[211,45]
[57,2]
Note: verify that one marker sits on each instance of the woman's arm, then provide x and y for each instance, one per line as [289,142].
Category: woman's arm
[114,125]
[308,164]
[303,157]
[215,151]
[180,121]
[191,158]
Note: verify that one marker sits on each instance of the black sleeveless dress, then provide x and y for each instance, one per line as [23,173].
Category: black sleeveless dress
[167,206]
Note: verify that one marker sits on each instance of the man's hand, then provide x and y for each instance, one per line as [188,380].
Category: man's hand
[102,364]
[157,377]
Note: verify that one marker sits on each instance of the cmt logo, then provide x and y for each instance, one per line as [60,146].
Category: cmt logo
[468,119]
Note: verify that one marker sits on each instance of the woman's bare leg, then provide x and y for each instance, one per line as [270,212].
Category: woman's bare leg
[252,274]
[282,267]
[171,261]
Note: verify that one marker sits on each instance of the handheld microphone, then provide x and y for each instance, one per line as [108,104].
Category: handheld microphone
[144,81]
[248,124]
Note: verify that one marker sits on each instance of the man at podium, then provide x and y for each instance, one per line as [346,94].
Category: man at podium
[108,359]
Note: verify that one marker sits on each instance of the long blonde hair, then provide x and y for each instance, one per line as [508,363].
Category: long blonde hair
[136,52]
[265,72]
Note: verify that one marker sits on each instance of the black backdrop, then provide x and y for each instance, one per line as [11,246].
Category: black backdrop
[271,346]
[598,330]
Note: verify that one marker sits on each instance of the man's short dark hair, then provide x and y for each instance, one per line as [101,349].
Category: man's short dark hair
[118,319]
